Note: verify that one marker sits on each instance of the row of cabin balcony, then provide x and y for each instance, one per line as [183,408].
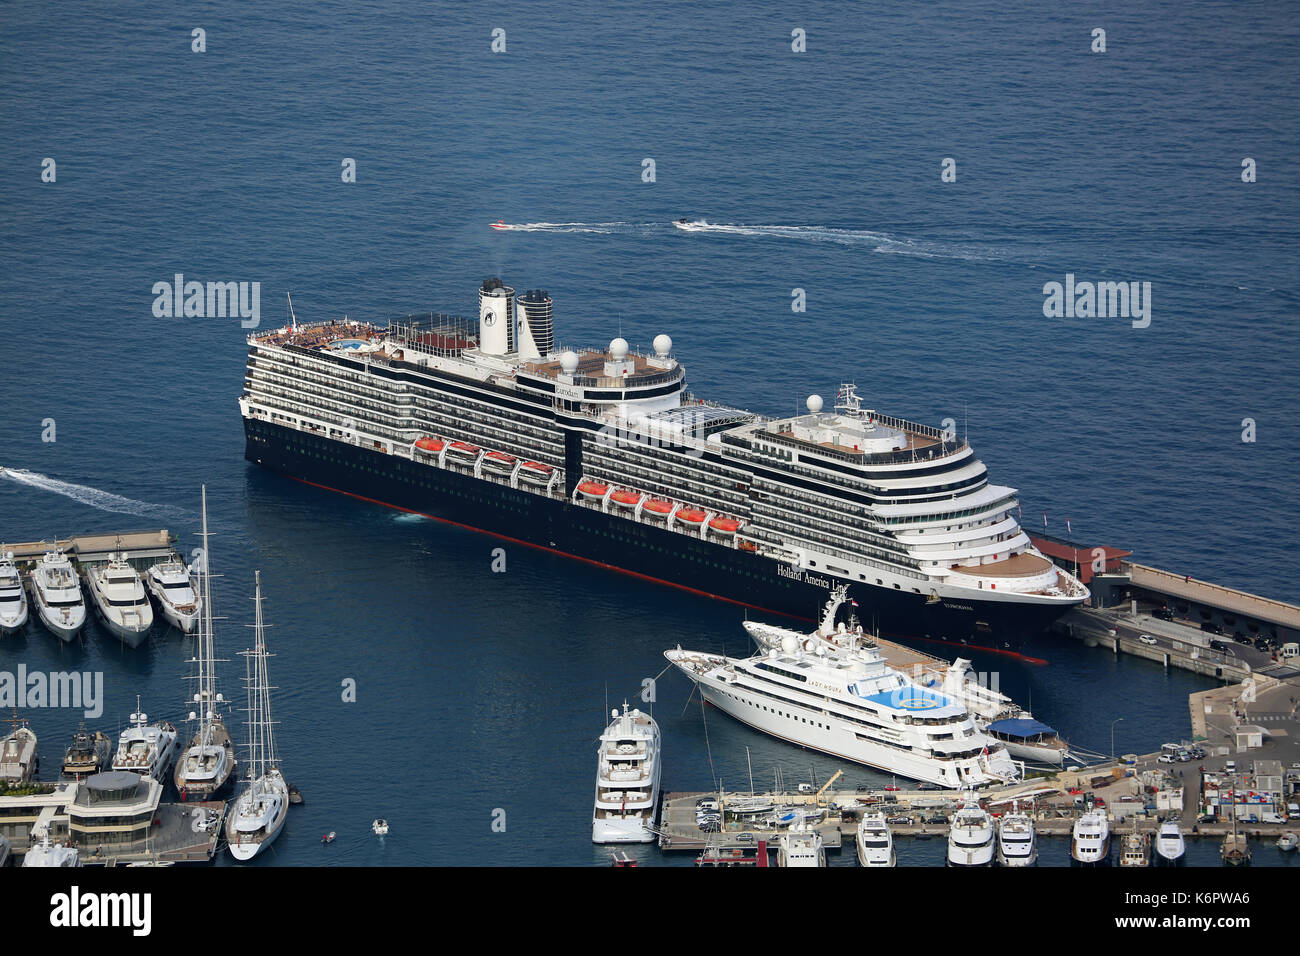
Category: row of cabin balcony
[865,555]
[312,385]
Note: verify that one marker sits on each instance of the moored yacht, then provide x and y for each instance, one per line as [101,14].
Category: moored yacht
[850,704]
[1090,839]
[627,779]
[172,586]
[800,846]
[120,600]
[875,842]
[1135,849]
[145,748]
[259,811]
[1017,843]
[205,767]
[13,599]
[57,595]
[18,753]
[970,837]
[89,753]
[1169,844]
[45,852]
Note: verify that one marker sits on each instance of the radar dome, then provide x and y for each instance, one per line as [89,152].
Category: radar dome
[814,403]
[663,345]
[569,362]
[789,644]
[618,349]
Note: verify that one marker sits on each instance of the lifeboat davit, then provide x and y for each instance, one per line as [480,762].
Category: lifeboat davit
[656,506]
[431,445]
[592,489]
[724,525]
[499,461]
[691,516]
[628,499]
[463,449]
[535,471]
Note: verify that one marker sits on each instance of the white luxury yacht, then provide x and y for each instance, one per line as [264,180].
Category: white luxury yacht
[203,768]
[57,595]
[849,703]
[258,814]
[120,599]
[875,842]
[1090,841]
[13,599]
[145,748]
[44,852]
[1169,845]
[1017,845]
[172,586]
[800,846]
[970,837]
[627,779]
[18,753]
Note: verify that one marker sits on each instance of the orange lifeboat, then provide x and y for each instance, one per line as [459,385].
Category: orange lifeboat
[431,445]
[691,516]
[592,489]
[655,506]
[724,525]
[463,449]
[499,461]
[628,499]
[535,471]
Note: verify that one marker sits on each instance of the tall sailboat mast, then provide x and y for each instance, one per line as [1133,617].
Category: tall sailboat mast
[261,735]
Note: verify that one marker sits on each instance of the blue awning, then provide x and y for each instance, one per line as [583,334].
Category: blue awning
[1020,727]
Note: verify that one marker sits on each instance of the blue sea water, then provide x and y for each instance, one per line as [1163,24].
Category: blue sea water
[482,692]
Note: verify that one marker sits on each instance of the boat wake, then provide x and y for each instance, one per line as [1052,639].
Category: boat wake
[877,241]
[103,500]
[601,228]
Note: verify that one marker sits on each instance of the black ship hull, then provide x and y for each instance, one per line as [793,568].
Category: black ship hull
[669,557]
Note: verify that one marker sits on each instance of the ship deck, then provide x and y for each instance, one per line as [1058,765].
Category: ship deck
[1022,565]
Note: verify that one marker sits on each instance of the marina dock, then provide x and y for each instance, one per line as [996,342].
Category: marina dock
[143,547]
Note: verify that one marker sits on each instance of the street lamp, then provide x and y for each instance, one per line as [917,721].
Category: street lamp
[1112,736]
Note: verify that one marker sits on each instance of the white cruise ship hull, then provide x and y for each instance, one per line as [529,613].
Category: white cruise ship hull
[838,740]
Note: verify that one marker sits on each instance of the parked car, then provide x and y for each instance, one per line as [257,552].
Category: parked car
[1218,645]
[1230,766]
[1211,628]
[1148,639]
[1162,614]
[1166,758]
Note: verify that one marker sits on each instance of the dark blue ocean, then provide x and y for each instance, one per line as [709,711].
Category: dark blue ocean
[479,692]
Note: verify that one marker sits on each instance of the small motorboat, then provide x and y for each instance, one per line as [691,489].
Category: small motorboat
[1288,842]
[380,827]
[499,224]
[295,795]
[327,837]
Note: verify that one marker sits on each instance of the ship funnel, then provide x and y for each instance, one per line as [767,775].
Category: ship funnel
[496,317]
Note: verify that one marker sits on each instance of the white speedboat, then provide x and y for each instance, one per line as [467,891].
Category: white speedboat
[970,837]
[875,842]
[689,226]
[800,847]
[45,852]
[56,592]
[120,600]
[1090,839]
[627,779]
[18,753]
[1169,844]
[13,599]
[851,704]
[1017,843]
[172,585]
[205,767]
[259,812]
[145,748]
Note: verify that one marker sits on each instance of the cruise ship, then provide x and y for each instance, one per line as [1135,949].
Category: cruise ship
[604,455]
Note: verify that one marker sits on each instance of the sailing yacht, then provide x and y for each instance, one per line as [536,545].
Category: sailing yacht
[88,754]
[627,779]
[57,595]
[1016,842]
[1090,840]
[172,585]
[208,763]
[18,753]
[970,837]
[259,812]
[13,599]
[875,842]
[120,599]
[145,748]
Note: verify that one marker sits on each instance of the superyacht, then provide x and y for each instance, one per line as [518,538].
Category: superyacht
[172,585]
[57,595]
[13,599]
[120,600]
[145,748]
[628,769]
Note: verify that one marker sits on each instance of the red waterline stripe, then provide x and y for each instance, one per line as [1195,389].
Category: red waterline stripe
[542,547]
[980,647]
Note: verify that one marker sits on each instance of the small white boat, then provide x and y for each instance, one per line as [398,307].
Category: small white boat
[380,827]
[57,596]
[18,753]
[45,852]
[1090,840]
[120,600]
[1288,842]
[970,837]
[172,585]
[875,842]
[688,226]
[1017,843]
[13,599]
[145,748]
[1169,844]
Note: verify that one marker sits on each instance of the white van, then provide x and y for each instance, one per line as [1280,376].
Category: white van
[1268,816]
[1293,811]
[1290,650]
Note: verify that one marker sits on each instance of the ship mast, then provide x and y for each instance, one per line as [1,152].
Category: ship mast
[261,736]
[206,695]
